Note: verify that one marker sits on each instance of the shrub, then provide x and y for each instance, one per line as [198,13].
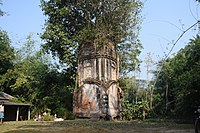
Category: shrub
[48,117]
[65,114]
[138,110]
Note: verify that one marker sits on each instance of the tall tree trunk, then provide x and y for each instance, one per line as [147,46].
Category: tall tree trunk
[151,97]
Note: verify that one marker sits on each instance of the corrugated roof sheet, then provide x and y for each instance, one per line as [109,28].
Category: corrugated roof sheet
[5,96]
[6,102]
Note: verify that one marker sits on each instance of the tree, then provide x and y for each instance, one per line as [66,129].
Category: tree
[6,58]
[73,24]
[55,93]
[20,79]
[134,103]
[34,79]
[1,12]
[178,82]
[149,62]
[163,96]
[6,53]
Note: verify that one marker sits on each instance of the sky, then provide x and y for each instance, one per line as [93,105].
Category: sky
[22,18]
[163,22]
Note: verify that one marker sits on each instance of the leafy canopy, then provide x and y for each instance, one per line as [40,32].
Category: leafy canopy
[71,24]
[34,79]
[1,12]
[178,84]
[6,52]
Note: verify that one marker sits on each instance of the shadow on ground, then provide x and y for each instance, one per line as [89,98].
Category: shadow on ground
[88,126]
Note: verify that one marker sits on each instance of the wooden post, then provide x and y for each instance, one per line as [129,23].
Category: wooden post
[29,113]
[17,117]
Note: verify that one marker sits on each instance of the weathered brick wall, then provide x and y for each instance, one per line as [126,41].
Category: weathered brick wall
[98,94]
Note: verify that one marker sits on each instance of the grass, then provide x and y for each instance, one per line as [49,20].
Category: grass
[91,126]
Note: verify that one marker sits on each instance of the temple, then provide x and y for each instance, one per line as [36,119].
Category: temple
[98,94]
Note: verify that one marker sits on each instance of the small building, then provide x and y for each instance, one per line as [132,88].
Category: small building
[14,111]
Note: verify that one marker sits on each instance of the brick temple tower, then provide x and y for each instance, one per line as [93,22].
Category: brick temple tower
[98,94]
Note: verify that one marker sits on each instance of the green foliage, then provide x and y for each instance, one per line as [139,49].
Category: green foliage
[34,79]
[129,88]
[6,53]
[19,100]
[178,83]
[70,116]
[139,110]
[22,78]
[48,117]
[1,12]
[133,104]
[129,53]
[127,112]
[55,92]
[6,60]
[133,89]
[72,24]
